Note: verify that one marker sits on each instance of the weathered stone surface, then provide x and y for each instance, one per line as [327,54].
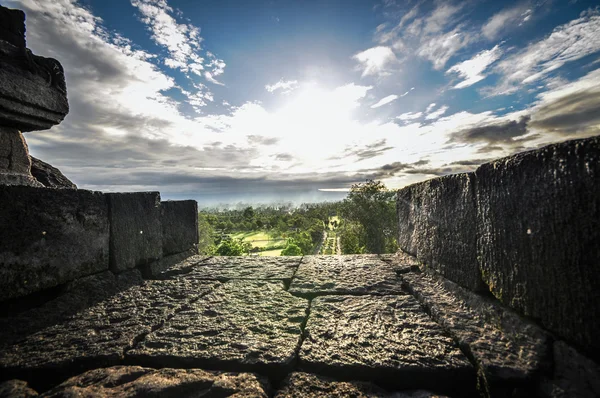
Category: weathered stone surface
[352,274]
[49,237]
[12,26]
[135,381]
[32,89]
[437,224]
[49,176]
[510,353]
[15,163]
[173,262]
[241,326]
[574,375]
[538,218]
[179,225]
[401,262]
[135,229]
[98,336]
[306,385]
[388,340]
[242,267]
[16,388]
[26,316]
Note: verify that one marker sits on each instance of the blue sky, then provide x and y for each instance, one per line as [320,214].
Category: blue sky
[258,101]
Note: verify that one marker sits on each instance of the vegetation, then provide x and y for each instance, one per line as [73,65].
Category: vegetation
[365,222]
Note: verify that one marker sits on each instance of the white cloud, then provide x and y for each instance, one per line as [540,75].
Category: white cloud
[472,70]
[410,116]
[505,19]
[375,60]
[385,100]
[407,92]
[286,87]
[439,49]
[441,17]
[436,114]
[430,107]
[182,41]
[566,43]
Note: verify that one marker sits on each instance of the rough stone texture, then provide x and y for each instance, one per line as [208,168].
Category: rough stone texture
[49,176]
[15,163]
[241,326]
[32,89]
[437,224]
[510,353]
[135,381]
[49,237]
[178,261]
[401,262]
[98,336]
[179,225]
[242,267]
[26,316]
[16,388]
[574,375]
[352,274]
[135,229]
[12,26]
[306,385]
[538,218]
[388,340]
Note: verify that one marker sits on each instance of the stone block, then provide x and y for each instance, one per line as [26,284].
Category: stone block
[387,340]
[224,268]
[349,274]
[16,388]
[99,335]
[249,326]
[437,222]
[49,176]
[135,381]
[33,92]
[306,385]
[179,225]
[135,229]
[539,234]
[15,163]
[49,237]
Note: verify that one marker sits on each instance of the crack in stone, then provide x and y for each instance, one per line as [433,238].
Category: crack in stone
[288,284]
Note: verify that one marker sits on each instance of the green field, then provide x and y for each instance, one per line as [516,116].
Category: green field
[261,239]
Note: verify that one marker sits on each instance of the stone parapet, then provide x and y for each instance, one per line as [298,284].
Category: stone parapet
[179,219]
[525,225]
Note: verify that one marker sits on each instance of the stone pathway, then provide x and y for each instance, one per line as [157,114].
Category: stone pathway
[360,325]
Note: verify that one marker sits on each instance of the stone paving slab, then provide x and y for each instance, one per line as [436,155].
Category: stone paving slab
[98,335]
[350,274]
[241,267]
[306,385]
[135,381]
[241,326]
[401,262]
[388,340]
[508,351]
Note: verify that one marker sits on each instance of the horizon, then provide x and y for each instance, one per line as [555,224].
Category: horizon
[272,101]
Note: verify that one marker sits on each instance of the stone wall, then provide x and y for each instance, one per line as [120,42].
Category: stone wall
[50,237]
[525,227]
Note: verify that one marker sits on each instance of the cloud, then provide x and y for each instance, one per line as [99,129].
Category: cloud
[410,115]
[385,100]
[407,92]
[566,43]
[286,87]
[472,70]
[439,49]
[371,150]
[506,19]
[375,60]
[441,16]
[511,132]
[181,40]
[571,109]
[430,107]
[436,114]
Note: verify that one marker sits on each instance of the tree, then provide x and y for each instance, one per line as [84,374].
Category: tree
[372,205]
[206,235]
[232,247]
[291,250]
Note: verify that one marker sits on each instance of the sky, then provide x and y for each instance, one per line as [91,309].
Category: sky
[228,101]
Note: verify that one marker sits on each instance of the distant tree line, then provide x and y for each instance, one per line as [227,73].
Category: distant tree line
[368,224]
